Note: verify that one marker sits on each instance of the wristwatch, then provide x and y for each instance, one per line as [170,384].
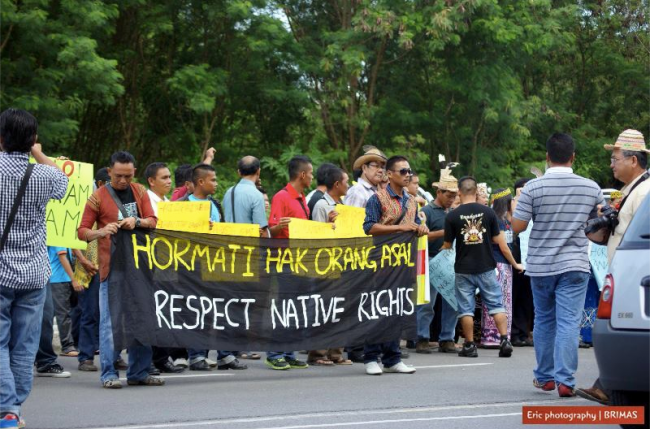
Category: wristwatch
[137,222]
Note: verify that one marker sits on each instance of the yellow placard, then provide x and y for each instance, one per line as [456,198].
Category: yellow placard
[240,229]
[194,216]
[301,228]
[349,222]
[187,216]
[64,216]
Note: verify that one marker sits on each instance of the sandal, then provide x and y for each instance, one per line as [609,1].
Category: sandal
[113,384]
[342,361]
[251,356]
[321,362]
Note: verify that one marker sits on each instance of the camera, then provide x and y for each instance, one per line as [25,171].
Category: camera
[609,220]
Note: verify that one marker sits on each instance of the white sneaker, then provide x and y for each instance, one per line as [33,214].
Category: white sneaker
[400,368]
[181,362]
[373,368]
[210,362]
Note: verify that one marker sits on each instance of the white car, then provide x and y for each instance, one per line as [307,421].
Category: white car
[621,332]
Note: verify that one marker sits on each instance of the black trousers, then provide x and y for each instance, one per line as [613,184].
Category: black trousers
[523,309]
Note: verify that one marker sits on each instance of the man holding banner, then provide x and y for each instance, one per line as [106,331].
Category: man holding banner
[390,211]
[372,165]
[287,203]
[117,205]
[435,213]
[24,265]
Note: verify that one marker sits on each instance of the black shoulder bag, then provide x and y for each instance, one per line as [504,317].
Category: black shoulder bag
[117,200]
[14,208]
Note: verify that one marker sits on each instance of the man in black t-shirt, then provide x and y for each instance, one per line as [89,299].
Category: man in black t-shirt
[475,227]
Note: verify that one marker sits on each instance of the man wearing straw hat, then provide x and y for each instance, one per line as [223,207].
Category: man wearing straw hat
[373,168]
[435,212]
[629,163]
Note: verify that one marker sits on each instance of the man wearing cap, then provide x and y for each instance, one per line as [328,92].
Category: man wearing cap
[372,165]
[629,163]
[435,213]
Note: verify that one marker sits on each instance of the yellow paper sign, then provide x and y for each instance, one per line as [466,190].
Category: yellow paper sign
[240,229]
[301,228]
[187,216]
[194,216]
[349,222]
[64,216]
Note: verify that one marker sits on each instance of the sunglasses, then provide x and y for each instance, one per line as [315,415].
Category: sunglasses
[404,171]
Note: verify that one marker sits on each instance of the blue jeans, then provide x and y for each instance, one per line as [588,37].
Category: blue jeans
[21,312]
[426,313]
[139,356]
[389,351]
[278,355]
[45,355]
[89,323]
[489,287]
[224,357]
[559,301]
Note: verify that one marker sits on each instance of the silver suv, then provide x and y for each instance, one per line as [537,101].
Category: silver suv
[621,332]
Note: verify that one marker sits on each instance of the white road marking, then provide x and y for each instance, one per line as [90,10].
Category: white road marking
[453,366]
[189,376]
[219,422]
[375,422]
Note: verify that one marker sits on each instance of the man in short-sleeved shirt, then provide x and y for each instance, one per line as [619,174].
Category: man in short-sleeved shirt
[559,203]
[248,200]
[474,227]
[435,213]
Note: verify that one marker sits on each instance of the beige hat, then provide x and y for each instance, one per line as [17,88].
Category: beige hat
[371,153]
[447,181]
[631,140]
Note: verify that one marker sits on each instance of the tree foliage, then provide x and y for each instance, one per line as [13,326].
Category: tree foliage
[482,81]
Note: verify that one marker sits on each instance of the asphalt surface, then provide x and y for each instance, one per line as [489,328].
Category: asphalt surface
[446,392]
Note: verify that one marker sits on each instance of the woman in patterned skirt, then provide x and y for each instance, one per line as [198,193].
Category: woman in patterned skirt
[502,206]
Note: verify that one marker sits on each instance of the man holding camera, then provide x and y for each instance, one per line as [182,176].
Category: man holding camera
[629,163]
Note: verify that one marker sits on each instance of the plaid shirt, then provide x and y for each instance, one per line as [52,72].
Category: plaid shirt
[24,263]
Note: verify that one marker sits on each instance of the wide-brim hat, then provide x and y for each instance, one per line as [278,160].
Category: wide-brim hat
[371,153]
[447,181]
[631,140]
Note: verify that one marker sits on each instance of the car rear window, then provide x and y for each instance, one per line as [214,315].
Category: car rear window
[638,233]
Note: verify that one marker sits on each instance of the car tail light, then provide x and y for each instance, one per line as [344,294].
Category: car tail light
[606,299]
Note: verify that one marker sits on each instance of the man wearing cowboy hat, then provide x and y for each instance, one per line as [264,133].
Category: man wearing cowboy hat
[629,163]
[435,212]
[372,165]
[373,168]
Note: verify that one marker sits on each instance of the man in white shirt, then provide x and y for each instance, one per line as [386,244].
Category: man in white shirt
[373,166]
[159,179]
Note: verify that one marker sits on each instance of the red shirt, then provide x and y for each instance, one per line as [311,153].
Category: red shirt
[179,193]
[287,203]
[101,209]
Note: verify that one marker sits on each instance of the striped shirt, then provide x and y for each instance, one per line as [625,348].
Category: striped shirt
[24,263]
[559,203]
[359,194]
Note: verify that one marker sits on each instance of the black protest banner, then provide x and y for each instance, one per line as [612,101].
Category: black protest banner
[178,289]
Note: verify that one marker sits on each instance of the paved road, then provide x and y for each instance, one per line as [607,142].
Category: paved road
[446,392]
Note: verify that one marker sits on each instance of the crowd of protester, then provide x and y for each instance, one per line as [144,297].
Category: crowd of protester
[540,308]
